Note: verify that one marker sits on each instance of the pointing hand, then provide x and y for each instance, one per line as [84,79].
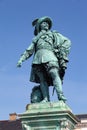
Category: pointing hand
[19,64]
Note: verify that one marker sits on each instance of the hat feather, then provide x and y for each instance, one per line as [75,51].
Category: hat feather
[34,22]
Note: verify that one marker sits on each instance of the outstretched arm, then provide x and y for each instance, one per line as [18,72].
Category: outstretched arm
[27,53]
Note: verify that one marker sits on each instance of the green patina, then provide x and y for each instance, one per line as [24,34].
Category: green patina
[50,50]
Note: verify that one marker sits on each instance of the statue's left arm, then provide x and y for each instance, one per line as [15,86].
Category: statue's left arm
[62,45]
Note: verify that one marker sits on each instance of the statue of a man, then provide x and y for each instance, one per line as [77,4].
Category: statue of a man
[50,50]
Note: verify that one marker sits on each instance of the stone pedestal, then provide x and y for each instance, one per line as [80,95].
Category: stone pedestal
[48,116]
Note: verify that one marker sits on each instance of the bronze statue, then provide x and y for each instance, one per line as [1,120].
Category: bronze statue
[50,50]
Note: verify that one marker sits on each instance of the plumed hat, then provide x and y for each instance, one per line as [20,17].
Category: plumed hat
[37,23]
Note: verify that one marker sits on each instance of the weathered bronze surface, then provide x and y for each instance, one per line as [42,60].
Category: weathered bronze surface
[50,50]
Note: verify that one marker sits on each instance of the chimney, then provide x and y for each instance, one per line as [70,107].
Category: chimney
[12,116]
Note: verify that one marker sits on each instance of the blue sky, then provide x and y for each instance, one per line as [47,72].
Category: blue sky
[16,33]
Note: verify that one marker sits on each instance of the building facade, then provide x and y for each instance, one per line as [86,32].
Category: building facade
[14,122]
[83,122]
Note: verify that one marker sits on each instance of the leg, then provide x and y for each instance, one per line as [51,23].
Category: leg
[57,83]
[44,87]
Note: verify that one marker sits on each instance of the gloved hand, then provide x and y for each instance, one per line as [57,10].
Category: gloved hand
[19,64]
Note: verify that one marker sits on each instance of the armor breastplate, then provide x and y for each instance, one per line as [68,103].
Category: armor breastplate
[45,41]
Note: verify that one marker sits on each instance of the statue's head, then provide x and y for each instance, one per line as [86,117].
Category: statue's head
[37,23]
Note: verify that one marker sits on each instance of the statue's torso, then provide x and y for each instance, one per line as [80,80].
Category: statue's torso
[44,49]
